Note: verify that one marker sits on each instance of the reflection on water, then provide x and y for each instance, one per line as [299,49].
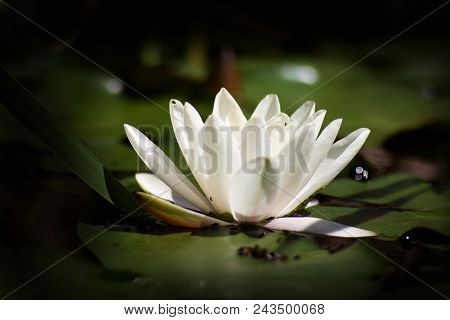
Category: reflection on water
[112,85]
[301,73]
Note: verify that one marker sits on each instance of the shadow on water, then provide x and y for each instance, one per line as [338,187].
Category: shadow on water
[422,236]
[419,253]
[145,225]
[330,201]
[142,227]
[368,213]
[253,231]
[384,191]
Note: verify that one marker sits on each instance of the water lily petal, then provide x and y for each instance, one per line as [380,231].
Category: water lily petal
[339,155]
[267,108]
[261,138]
[253,191]
[187,123]
[312,203]
[185,132]
[150,183]
[196,156]
[222,160]
[164,168]
[314,124]
[235,121]
[184,129]
[317,119]
[295,161]
[176,109]
[318,226]
[251,144]
[174,214]
[277,133]
[224,103]
[192,114]
[322,145]
[304,112]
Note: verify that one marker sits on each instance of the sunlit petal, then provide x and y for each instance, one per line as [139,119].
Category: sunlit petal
[254,191]
[224,103]
[150,183]
[164,168]
[317,226]
[304,112]
[339,155]
[194,157]
[222,160]
[295,162]
[267,108]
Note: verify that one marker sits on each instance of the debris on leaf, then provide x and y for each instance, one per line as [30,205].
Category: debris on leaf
[257,252]
[333,244]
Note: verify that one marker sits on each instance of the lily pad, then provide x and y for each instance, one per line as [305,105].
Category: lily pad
[206,264]
[406,203]
[375,99]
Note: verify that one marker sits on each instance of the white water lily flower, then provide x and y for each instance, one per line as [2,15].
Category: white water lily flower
[249,171]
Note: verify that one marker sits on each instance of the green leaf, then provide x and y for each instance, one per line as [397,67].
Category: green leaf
[385,101]
[408,202]
[183,263]
[66,147]
[205,264]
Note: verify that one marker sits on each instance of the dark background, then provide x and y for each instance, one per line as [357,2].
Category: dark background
[114,31]
[189,49]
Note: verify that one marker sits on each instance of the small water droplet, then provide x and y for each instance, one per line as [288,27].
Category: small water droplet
[366,174]
[361,174]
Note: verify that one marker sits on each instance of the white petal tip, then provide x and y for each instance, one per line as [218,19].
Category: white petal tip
[128,127]
[223,91]
[174,102]
[135,137]
[364,134]
[312,203]
[316,226]
[320,112]
[129,130]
